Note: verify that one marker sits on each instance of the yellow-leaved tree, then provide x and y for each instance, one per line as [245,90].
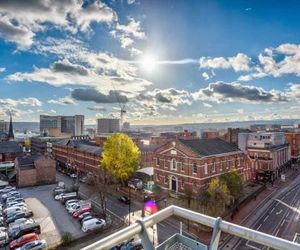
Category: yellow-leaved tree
[120,157]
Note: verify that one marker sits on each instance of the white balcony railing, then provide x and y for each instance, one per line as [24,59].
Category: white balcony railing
[218,225]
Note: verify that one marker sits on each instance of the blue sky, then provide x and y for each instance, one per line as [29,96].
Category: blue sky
[167,61]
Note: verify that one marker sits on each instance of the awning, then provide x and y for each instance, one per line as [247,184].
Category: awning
[148,171]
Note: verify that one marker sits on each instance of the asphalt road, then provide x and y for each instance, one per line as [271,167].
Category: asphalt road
[280,219]
[164,230]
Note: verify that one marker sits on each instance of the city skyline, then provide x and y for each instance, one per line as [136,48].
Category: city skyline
[169,62]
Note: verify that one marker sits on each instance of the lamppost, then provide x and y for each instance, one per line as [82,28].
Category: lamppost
[129,205]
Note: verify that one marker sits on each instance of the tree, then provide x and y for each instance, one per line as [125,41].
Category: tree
[120,157]
[234,183]
[217,197]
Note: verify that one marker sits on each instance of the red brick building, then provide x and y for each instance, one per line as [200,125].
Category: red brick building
[78,154]
[293,138]
[164,137]
[210,134]
[189,165]
[232,135]
[9,150]
[35,170]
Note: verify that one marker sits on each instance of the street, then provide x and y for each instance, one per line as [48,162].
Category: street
[279,219]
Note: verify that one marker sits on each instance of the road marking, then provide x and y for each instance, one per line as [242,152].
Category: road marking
[266,218]
[161,224]
[287,214]
[279,212]
[277,232]
[282,222]
[259,226]
[272,210]
[276,204]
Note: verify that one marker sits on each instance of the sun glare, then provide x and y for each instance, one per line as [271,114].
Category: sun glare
[148,63]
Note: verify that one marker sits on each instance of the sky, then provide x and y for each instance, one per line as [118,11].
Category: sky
[164,62]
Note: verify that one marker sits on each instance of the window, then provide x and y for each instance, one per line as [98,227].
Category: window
[214,167]
[157,161]
[173,164]
[180,166]
[194,168]
[205,169]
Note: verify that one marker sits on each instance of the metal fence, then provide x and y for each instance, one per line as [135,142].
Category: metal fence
[140,228]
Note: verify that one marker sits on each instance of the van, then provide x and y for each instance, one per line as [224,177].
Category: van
[26,229]
[68,196]
[93,224]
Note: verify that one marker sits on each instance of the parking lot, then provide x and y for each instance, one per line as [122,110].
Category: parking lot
[50,214]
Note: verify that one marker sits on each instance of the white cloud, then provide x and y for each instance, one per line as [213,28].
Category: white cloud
[207,105]
[2,69]
[133,28]
[205,76]
[31,101]
[21,20]
[67,100]
[240,62]
[240,111]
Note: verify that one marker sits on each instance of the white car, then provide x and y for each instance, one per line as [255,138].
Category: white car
[92,224]
[4,239]
[58,197]
[71,202]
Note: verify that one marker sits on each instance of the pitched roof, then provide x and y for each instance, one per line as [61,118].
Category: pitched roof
[82,145]
[148,148]
[208,147]
[10,147]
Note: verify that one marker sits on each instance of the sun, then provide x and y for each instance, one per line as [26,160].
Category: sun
[148,63]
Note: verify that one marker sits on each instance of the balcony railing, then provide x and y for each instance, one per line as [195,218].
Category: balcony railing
[218,225]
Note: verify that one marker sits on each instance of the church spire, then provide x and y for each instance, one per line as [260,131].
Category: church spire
[11,130]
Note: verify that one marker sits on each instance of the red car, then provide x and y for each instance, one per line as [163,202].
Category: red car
[81,211]
[23,240]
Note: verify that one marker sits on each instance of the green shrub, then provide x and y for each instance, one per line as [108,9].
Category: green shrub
[66,238]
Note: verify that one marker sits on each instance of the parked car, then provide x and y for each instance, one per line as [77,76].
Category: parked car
[81,211]
[24,214]
[74,176]
[34,245]
[71,202]
[135,183]
[81,216]
[25,229]
[4,239]
[23,240]
[68,196]
[8,212]
[11,194]
[89,217]
[78,206]
[124,199]
[61,184]
[17,204]
[7,189]
[13,198]
[58,190]
[93,224]
[59,196]
[15,226]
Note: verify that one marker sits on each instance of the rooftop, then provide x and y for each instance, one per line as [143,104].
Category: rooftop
[27,162]
[10,147]
[212,146]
